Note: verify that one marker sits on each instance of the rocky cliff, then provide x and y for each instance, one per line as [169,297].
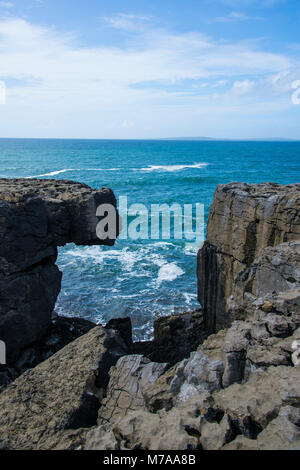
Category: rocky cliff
[36,216]
[239,388]
[243,220]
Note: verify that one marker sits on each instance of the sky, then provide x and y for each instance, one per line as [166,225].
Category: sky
[150,69]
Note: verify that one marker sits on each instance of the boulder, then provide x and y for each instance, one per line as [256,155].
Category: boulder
[199,375]
[178,429]
[129,380]
[175,337]
[49,404]
[254,404]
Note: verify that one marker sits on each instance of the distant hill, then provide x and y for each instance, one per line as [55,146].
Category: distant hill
[263,139]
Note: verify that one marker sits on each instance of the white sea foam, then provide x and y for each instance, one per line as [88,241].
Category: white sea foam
[126,257]
[65,170]
[53,173]
[169,272]
[190,298]
[173,167]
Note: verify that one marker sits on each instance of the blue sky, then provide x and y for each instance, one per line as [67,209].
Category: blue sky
[149,69]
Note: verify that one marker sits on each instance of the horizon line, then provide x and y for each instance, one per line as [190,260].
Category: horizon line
[199,139]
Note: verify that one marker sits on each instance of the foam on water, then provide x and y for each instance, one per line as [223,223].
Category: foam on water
[173,167]
[169,272]
[53,173]
[143,279]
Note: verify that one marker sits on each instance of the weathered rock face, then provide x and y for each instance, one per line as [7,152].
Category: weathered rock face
[44,407]
[238,389]
[243,220]
[255,404]
[36,216]
[275,272]
[175,337]
[61,332]
[129,381]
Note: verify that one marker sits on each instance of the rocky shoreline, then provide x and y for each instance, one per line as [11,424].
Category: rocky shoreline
[224,377]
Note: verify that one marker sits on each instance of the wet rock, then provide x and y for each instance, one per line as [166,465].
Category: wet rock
[123,326]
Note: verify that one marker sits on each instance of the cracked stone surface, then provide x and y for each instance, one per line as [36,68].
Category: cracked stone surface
[60,395]
[129,380]
[36,216]
[243,219]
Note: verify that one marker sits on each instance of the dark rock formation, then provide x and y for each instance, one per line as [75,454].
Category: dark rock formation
[175,337]
[61,332]
[238,388]
[36,216]
[243,220]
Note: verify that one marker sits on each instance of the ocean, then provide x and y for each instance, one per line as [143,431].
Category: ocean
[143,279]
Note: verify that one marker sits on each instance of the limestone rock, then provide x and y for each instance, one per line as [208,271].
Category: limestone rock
[296,353]
[235,347]
[243,220]
[215,435]
[198,375]
[62,331]
[60,395]
[283,433]
[36,216]
[178,429]
[241,443]
[175,337]
[254,404]
[129,380]
[265,284]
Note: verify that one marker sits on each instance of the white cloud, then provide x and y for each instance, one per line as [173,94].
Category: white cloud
[6,4]
[127,124]
[57,88]
[127,22]
[236,16]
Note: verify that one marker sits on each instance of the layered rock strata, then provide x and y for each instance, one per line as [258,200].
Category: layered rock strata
[239,388]
[243,220]
[36,216]
[49,406]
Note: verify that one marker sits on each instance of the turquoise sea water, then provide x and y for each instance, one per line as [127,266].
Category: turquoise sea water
[142,279]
